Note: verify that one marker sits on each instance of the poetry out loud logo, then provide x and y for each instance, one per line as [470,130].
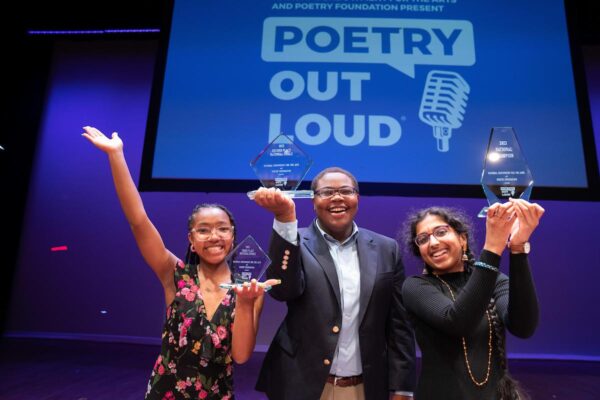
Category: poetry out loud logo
[399,43]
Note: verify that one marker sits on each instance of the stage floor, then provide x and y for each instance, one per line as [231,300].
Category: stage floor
[76,370]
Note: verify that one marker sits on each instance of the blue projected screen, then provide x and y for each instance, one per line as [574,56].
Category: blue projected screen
[353,84]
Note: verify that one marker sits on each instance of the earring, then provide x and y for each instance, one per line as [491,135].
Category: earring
[465,257]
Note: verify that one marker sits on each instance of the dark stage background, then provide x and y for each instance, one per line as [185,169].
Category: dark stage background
[57,191]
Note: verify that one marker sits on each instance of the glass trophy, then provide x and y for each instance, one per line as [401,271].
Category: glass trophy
[282,164]
[505,172]
[247,261]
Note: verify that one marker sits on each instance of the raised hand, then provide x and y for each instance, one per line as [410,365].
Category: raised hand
[102,142]
[498,226]
[528,218]
[275,201]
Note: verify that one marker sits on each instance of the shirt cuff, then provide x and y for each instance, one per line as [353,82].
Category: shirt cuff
[287,230]
[399,393]
[490,258]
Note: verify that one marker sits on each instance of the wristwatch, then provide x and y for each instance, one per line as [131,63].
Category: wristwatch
[520,248]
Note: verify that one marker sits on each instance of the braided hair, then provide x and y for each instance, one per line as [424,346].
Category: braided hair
[191,258]
[508,388]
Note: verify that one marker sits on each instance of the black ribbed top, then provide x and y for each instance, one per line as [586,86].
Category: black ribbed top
[440,323]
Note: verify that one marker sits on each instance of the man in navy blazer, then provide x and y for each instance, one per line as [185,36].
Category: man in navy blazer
[346,333]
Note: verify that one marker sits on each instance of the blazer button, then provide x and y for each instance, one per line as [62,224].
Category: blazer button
[286,252]
[286,257]
[335,329]
[284,266]
[326,362]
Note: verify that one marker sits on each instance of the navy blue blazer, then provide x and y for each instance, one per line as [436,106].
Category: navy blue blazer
[299,358]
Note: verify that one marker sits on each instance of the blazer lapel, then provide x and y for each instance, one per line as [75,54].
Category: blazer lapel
[315,244]
[368,263]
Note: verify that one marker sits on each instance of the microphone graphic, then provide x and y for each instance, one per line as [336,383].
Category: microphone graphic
[443,105]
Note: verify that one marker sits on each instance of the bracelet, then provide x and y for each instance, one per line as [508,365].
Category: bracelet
[481,264]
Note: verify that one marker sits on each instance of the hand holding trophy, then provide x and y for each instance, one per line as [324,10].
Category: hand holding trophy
[282,165]
[505,173]
[248,263]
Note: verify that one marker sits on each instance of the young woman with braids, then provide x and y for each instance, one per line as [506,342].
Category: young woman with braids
[461,307]
[200,338]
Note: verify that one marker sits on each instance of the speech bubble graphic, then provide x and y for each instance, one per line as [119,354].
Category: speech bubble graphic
[399,43]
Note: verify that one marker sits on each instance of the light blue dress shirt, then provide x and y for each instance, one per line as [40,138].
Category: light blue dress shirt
[346,360]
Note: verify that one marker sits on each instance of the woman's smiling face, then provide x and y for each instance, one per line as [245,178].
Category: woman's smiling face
[442,252]
[216,246]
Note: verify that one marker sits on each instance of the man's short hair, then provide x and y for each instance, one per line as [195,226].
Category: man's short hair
[329,170]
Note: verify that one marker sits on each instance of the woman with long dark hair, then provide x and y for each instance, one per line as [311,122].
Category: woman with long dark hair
[461,307]
[200,340]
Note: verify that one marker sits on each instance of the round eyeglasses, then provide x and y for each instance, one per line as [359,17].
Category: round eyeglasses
[439,232]
[205,232]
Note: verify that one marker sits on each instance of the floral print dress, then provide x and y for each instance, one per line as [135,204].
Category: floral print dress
[195,359]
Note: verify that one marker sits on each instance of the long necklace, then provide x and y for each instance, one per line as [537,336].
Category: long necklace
[464,343]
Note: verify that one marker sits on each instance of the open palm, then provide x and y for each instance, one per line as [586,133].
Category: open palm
[101,141]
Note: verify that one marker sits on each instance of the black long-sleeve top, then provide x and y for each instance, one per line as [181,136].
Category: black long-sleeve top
[440,322]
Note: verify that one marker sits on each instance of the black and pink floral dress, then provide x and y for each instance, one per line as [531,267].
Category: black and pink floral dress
[195,359]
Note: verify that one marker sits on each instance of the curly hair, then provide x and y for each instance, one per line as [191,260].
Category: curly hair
[457,219]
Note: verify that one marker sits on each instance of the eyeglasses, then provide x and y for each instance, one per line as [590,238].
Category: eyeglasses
[205,232]
[439,232]
[344,191]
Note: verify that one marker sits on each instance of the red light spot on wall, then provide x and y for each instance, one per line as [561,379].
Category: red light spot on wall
[58,248]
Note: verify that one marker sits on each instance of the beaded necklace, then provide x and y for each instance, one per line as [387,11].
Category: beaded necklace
[464,343]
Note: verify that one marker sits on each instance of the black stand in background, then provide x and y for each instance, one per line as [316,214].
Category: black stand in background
[26,60]
[21,104]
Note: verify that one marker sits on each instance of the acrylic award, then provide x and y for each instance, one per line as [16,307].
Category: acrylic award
[505,172]
[247,261]
[283,165]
